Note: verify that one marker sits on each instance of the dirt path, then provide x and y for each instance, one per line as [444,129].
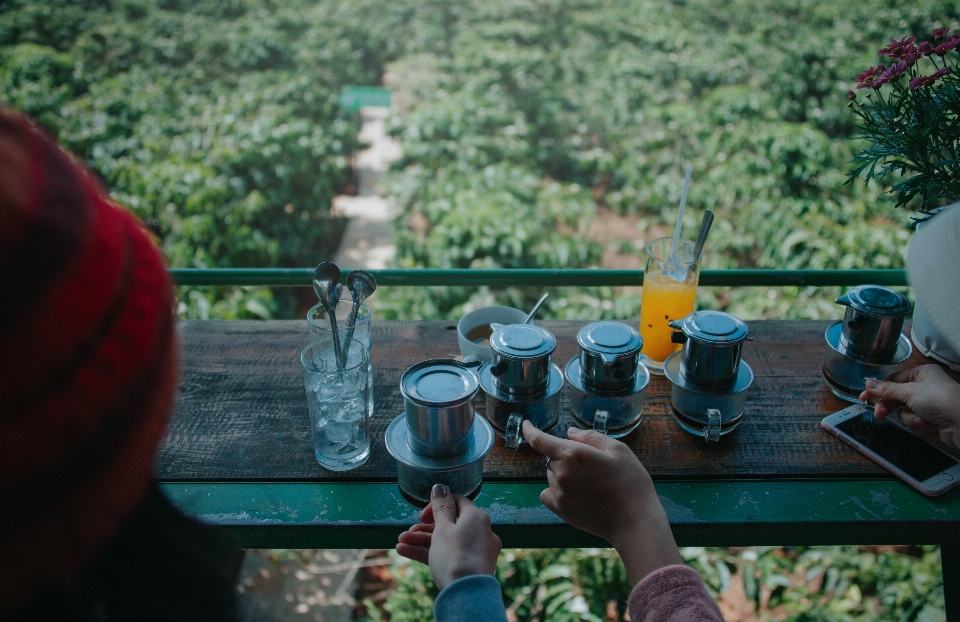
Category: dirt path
[367,241]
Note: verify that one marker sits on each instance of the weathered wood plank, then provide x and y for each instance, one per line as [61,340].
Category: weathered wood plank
[241,412]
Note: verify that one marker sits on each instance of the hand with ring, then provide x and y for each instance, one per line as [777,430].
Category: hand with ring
[597,484]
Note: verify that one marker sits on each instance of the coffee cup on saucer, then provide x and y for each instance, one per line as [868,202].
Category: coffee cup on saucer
[474,330]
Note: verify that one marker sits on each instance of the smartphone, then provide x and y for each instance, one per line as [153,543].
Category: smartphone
[918,463]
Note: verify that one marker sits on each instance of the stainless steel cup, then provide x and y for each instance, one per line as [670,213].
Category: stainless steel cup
[709,412]
[507,417]
[438,405]
[614,413]
[415,484]
[506,411]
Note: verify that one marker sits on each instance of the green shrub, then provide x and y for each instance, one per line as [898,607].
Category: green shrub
[616,97]
[799,584]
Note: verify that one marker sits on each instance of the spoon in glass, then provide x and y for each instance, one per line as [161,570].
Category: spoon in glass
[327,285]
[361,284]
[533,311]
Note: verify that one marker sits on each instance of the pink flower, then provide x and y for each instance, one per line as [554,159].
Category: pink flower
[922,81]
[894,49]
[892,73]
[865,79]
[925,48]
[909,53]
[947,45]
[939,33]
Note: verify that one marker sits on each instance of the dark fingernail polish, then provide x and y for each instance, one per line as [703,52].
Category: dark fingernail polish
[439,491]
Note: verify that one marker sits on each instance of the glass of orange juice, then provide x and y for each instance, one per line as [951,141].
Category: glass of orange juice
[669,291]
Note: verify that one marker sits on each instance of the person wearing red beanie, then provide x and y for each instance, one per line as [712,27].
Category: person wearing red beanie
[87,378]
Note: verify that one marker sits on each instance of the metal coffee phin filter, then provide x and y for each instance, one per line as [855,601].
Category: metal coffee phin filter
[868,342]
[437,439]
[521,382]
[709,377]
[607,380]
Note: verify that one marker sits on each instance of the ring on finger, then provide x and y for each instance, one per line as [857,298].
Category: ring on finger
[548,463]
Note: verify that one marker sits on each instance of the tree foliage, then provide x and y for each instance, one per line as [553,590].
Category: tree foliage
[615,97]
[216,122]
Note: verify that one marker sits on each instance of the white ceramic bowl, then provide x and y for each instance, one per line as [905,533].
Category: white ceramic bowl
[478,317]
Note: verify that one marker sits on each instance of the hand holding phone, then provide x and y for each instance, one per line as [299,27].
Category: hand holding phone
[928,400]
[918,463]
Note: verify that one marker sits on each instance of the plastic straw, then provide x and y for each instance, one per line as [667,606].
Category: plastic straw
[683,204]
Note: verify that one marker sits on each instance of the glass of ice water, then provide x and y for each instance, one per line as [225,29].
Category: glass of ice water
[320,323]
[338,403]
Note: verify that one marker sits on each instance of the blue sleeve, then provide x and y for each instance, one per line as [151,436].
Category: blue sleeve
[471,599]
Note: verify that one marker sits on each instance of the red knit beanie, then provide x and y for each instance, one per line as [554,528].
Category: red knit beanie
[87,362]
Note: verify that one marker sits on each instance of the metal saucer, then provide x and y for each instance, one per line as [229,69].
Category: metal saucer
[398,445]
[572,372]
[671,368]
[554,384]
[689,400]
[833,333]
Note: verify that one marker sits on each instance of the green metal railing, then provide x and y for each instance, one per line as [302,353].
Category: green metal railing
[301,277]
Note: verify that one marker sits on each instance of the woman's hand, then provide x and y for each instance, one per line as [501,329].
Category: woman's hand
[454,538]
[597,484]
[928,399]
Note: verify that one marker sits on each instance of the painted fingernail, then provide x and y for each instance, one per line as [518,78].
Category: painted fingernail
[871,383]
[439,491]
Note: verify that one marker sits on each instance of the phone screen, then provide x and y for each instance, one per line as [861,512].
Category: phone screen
[910,454]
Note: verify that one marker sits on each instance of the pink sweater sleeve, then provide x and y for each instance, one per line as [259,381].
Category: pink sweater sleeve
[672,594]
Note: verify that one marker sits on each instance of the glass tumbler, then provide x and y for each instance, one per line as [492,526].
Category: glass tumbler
[318,320]
[669,291]
[320,323]
[338,403]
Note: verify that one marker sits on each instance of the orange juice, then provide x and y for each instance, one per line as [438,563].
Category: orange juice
[663,300]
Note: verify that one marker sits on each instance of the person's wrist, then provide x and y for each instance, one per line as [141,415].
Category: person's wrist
[631,521]
[646,545]
[461,573]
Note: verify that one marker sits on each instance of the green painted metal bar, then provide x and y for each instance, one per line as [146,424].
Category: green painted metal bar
[717,513]
[301,277]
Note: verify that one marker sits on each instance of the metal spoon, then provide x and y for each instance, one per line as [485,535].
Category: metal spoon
[327,285]
[533,311]
[361,284]
[705,225]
